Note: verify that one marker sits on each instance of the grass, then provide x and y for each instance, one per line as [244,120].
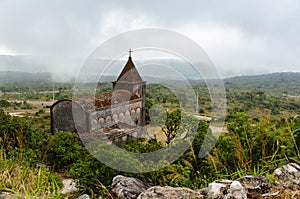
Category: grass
[255,149]
[30,182]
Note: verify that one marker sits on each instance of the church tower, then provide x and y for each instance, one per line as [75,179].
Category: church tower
[130,80]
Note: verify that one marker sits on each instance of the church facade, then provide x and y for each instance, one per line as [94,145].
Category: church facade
[120,112]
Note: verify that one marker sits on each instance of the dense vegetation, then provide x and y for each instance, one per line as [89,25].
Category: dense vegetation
[261,135]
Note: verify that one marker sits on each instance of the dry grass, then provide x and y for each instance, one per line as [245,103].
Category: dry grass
[247,144]
[29,182]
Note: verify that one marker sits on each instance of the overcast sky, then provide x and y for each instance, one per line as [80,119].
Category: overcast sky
[241,37]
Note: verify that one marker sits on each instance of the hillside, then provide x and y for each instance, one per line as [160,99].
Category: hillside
[283,83]
[15,76]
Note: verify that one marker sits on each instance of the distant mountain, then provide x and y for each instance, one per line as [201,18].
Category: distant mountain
[283,77]
[65,69]
[285,82]
[13,76]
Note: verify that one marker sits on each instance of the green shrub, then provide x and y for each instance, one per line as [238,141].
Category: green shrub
[62,150]
[15,132]
[92,176]
[252,147]
[4,103]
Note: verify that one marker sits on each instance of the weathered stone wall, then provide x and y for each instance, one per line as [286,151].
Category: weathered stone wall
[63,115]
[62,118]
[128,113]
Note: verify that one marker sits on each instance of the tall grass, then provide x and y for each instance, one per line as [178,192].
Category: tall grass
[23,180]
[255,148]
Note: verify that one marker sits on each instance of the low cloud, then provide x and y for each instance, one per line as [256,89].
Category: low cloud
[240,37]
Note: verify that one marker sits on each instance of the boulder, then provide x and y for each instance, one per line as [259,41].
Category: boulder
[69,186]
[127,188]
[255,184]
[169,193]
[288,176]
[236,190]
[203,191]
[215,190]
[226,189]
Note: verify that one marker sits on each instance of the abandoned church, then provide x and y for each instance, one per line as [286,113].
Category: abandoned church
[110,115]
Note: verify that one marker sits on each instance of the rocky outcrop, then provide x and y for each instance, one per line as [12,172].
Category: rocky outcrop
[169,193]
[69,186]
[255,185]
[288,184]
[288,176]
[127,188]
[226,189]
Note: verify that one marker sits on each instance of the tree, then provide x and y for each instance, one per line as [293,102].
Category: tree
[4,103]
[171,125]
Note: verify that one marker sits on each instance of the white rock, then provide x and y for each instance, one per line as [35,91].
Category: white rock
[236,191]
[169,193]
[270,194]
[123,187]
[288,175]
[214,190]
[69,186]
[226,189]
[255,184]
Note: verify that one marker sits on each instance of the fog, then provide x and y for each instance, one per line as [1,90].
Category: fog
[252,37]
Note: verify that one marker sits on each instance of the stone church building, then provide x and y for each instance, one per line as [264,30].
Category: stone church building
[113,115]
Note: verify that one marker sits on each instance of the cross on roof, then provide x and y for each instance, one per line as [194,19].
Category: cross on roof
[130,51]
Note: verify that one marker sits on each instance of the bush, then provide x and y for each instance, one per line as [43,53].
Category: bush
[15,132]
[4,103]
[92,176]
[62,150]
[252,147]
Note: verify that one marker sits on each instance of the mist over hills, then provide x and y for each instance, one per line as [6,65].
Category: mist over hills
[64,69]
[60,69]
[27,68]
[17,76]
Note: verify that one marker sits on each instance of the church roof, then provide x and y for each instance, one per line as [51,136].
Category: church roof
[113,98]
[129,73]
[89,103]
